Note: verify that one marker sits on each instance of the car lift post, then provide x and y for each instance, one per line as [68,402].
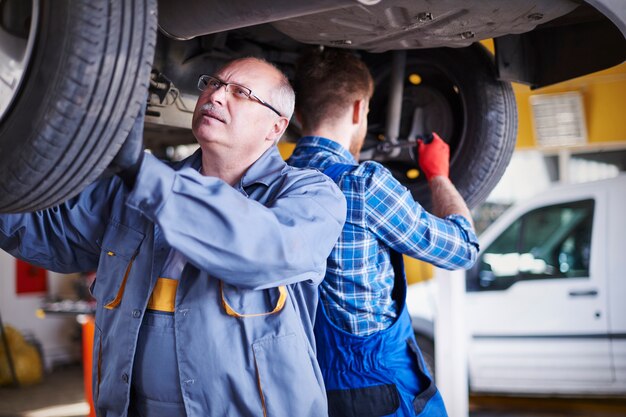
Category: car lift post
[451,342]
[394,106]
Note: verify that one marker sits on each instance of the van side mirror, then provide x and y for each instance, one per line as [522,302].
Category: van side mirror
[486,278]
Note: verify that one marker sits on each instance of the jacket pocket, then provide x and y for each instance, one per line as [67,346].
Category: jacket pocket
[286,378]
[428,390]
[241,303]
[118,249]
[374,401]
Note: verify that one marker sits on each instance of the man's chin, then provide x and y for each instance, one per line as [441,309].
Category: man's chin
[206,132]
[213,142]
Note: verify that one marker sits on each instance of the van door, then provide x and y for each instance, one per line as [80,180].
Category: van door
[537,302]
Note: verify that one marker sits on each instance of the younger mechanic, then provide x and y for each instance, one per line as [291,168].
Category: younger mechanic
[366,347]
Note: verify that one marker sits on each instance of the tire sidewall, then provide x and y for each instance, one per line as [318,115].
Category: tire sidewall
[82,92]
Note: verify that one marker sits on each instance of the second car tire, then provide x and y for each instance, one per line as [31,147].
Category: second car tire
[460,98]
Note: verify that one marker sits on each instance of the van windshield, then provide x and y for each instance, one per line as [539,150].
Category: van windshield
[548,242]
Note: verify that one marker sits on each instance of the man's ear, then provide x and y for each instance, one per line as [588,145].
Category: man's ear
[277,130]
[358,111]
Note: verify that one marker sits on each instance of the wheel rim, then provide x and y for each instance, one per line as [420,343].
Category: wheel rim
[442,103]
[18,30]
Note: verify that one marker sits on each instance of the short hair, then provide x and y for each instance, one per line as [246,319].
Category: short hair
[327,81]
[282,97]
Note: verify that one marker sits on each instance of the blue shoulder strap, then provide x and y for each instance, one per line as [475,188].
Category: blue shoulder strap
[334,171]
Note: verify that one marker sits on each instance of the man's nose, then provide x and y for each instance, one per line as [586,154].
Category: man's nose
[218,95]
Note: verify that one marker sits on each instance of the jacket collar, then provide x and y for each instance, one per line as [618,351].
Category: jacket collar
[264,170]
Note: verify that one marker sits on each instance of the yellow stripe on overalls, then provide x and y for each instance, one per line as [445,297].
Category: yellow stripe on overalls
[163,296]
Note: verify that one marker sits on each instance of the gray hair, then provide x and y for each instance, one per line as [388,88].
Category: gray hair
[283,98]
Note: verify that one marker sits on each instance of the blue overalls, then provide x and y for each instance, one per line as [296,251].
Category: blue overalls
[382,374]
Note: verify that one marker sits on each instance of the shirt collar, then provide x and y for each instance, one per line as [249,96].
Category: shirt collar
[329,145]
[264,170]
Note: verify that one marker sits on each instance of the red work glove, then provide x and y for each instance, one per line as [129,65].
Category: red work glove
[434,157]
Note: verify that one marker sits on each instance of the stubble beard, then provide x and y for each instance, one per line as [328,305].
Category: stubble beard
[356,144]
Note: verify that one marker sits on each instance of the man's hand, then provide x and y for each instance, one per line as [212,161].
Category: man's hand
[434,157]
[128,160]
[129,174]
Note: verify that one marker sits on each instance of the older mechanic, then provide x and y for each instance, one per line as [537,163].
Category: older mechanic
[366,347]
[207,272]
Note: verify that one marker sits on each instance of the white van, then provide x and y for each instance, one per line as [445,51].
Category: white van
[546,301]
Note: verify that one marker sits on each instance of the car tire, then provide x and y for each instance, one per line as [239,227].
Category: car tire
[462,100]
[83,83]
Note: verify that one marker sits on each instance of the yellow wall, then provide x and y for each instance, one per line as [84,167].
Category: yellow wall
[604,99]
[285,149]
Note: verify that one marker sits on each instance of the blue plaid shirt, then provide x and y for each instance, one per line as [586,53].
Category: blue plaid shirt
[382,215]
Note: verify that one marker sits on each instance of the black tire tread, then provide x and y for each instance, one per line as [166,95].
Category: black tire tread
[89,108]
[492,156]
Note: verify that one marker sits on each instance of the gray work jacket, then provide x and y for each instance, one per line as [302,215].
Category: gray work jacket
[275,229]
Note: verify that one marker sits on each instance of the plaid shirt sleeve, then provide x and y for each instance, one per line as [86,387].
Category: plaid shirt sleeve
[406,227]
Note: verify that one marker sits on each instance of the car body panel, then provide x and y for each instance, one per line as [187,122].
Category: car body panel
[538,42]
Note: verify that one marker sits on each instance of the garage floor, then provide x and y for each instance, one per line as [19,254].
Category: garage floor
[62,395]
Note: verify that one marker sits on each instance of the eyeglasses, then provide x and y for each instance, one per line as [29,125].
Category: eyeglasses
[206,82]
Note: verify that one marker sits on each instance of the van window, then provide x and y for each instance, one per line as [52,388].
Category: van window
[546,243]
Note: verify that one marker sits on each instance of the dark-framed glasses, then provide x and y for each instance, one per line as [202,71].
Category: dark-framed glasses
[210,83]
